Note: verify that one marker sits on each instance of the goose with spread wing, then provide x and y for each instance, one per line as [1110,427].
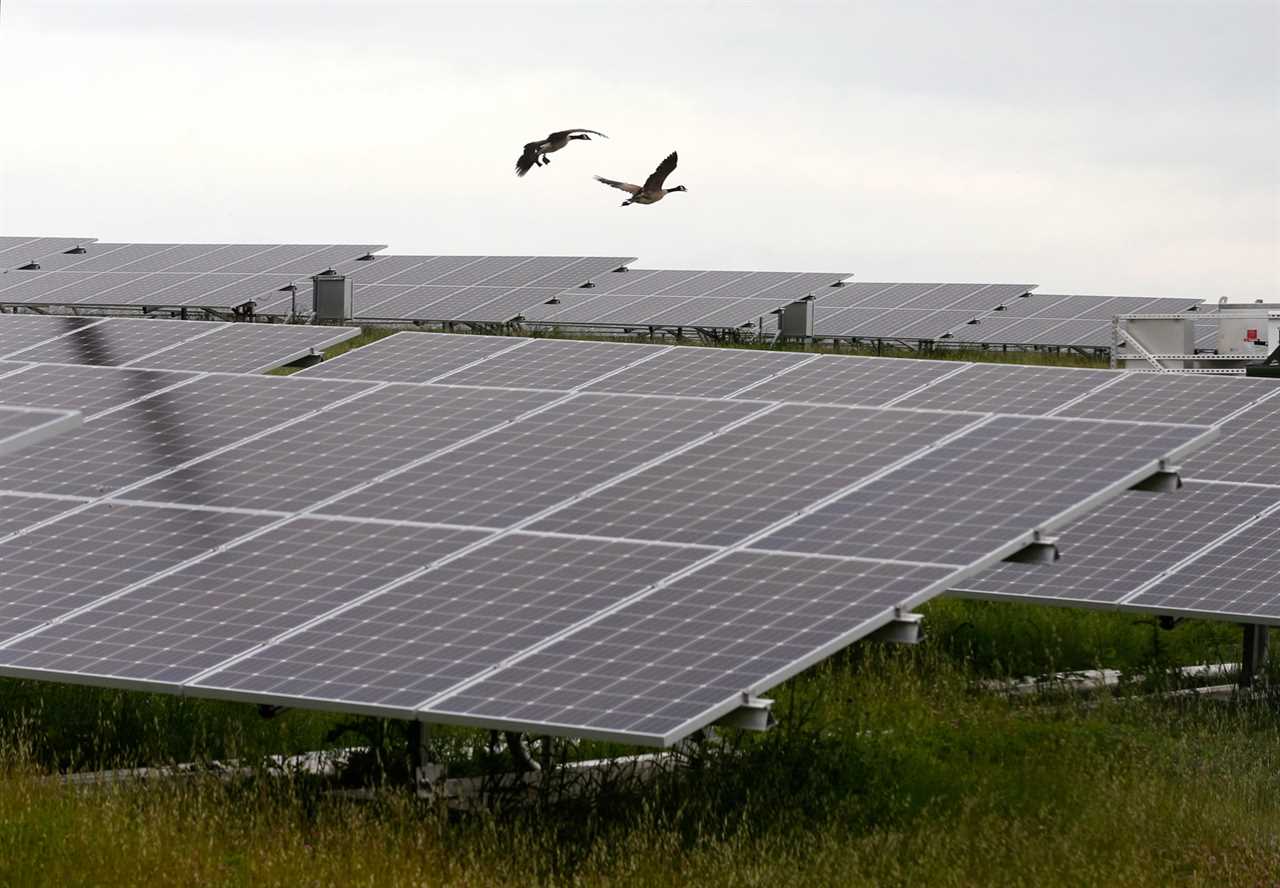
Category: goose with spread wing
[535,153]
[652,190]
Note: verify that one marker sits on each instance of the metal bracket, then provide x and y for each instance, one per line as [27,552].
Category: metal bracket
[905,628]
[753,714]
[1166,480]
[1044,550]
[1255,654]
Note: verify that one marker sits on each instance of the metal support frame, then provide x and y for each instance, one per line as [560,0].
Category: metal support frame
[1254,655]
[1043,550]
[754,714]
[426,774]
[1167,480]
[905,628]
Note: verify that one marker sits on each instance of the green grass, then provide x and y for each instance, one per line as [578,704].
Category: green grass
[889,766]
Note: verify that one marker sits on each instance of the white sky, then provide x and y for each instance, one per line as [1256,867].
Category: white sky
[1112,147]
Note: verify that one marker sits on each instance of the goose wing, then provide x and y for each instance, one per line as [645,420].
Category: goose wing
[654,182]
[563,134]
[526,160]
[625,186]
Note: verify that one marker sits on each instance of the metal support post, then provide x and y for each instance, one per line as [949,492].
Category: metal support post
[1254,655]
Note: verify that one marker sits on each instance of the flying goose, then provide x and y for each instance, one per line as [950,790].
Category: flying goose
[535,153]
[652,190]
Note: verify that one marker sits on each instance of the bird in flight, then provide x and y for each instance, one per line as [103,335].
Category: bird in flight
[651,191]
[535,153]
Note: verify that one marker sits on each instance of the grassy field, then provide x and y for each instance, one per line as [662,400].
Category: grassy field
[893,766]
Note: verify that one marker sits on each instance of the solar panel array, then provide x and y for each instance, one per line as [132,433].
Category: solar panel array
[1211,551]
[219,276]
[468,289]
[576,538]
[1079,320]
[680,299]
[160,344]
[18,251]
[550,291]
[862,309]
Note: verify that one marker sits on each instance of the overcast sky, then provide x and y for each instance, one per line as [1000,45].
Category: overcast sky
[1113,147]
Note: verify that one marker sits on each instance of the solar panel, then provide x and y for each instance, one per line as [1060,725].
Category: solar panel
[24,426]
[656,668]
[494,304]
[740,482]
[333,450]
[641,281]
[452,623]
[581,307]
[849,380]
[1248,450]
[528,466]
[247,348]
[1044,464]
[80,558]
[1008,388]
[757,313]
[1157,397]
[18,512]
[413,357]
[901,324]
[552,364]
[17,251]
[1237,578]
[700,372]
[87,389]
[164,431]
[19,332]
[1128,542]
[997,328]
[115,341]
[230,601]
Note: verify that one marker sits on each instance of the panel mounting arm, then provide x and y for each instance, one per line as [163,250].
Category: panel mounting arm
[752,714]
[904,628]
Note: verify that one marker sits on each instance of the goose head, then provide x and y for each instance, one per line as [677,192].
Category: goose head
[677,188]
[582,136]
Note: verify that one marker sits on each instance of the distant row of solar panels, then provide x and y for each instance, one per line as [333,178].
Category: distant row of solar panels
[552,291]
[159,344]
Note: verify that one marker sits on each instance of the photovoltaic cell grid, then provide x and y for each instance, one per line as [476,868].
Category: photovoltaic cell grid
[1008,388]
[204,275]
[20,332]
[87,389]
[664,298]
[656,667]
[164,431]
[1073,320]
[18,251]
[923,296]
[528,466]
[412,357]
[347,679]
[551,364]
[322,455]
[472,289]
[1206,551]
[1128,542]
[744,480]
[18,512]
[911,514]
[25,426]
[160,344]
[232,601]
